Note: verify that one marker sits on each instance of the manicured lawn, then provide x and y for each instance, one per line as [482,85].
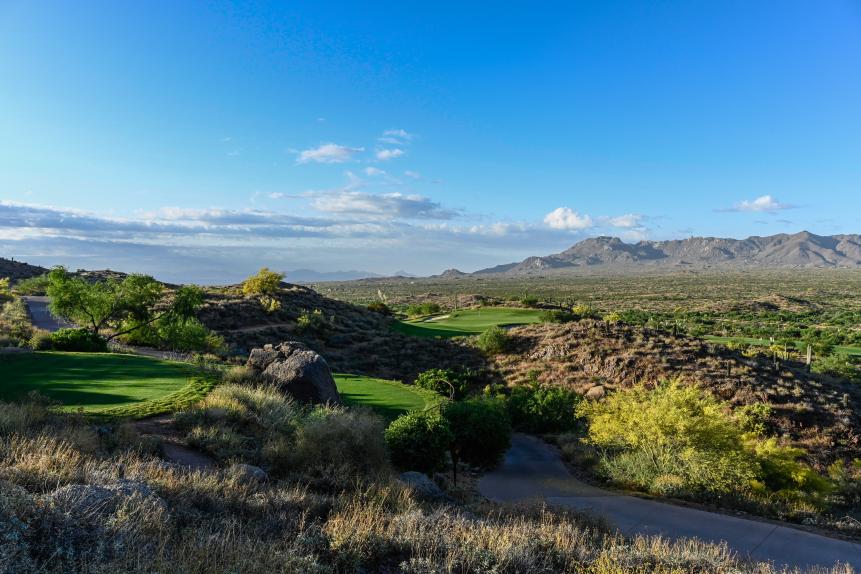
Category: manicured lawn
[390,398]
[467,322]
[846,350]
[102,383]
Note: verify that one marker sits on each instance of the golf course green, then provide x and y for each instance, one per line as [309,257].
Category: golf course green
[467,322]
[389,398]
[129,385]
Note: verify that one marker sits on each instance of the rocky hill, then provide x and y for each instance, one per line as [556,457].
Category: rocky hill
[820,413]
[17,270]
[802,249]
[350,337]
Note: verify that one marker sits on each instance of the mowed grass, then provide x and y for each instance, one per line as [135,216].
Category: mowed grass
[800,345]
[103,383]
[468,321]
[389,398]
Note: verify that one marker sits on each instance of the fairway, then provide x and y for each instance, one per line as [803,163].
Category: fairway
[389,398]
[94,382]
[468,321]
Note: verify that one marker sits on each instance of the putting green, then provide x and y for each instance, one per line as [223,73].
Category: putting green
[468,321]
[389,398]
[94,382]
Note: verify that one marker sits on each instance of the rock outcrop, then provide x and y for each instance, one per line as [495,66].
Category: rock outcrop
[296,370]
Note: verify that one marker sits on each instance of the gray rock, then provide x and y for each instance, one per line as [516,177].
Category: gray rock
[596,392]
[91,500]
[423,486]
[296,370]
[248,473]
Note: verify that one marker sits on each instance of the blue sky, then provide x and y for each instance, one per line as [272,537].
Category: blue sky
[199,141]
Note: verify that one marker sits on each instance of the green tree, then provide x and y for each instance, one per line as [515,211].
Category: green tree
[264,282]
[481,432]
[116,307]
[419,440]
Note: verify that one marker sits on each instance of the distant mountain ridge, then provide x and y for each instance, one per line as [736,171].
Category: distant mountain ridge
[802,249]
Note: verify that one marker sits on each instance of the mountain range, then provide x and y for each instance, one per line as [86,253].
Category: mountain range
[797,250]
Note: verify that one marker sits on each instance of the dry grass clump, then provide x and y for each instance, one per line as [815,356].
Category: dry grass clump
[261,425]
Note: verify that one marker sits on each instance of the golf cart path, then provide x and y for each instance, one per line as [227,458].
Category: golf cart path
[41,317]
[534,470]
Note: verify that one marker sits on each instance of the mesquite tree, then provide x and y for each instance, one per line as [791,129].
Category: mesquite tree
[115,307]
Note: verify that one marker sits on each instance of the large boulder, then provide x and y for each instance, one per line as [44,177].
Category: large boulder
[297,370]
[86,500]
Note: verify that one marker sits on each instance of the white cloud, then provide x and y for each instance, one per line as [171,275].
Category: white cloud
[627,221]
[380,206]
[396,137]
[328,153]
[567,219]
[387,154]
[766,203]
[374,171]
[413,174]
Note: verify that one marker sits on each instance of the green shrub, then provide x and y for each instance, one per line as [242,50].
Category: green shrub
[81,340]
[423,309]
[33,285]
[40,341]
[481,431]
[313,322]
[537,408]
[264,282]
[557,316]
[419,440]
[529,300]
[493,341]
[14,320]
[837,365]
[379,307]
[451,383]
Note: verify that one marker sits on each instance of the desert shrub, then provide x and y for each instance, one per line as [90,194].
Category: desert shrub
[837,365]
[529,300]
[5,290]
[379,307]
[264,282]
[419,440]
[451,383]
[538,408]
[82,340]
[670,430]
[584,312]
[40,341]
[557,316]
[239,375]
[754,418]
[847,481]
[239,422]
[339,446]
[33,285]
[184,334]
[420,309]
[313,322]
[681,437]
[14,320]
[612,317]
[481,431]
[493,341]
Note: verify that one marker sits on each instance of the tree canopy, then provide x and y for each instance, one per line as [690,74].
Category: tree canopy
[108,307]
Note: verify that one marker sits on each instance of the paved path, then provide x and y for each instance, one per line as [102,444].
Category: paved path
[533,469]
[40,315]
